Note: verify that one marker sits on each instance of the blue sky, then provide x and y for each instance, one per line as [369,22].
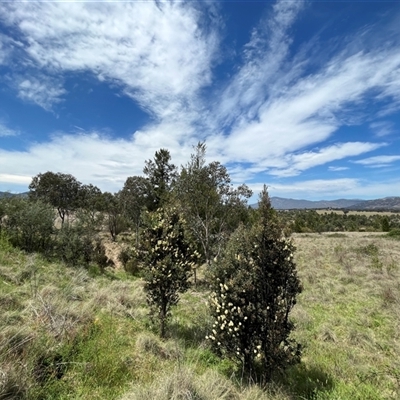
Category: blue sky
[303,96]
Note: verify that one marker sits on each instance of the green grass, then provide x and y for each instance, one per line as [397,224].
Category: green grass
[69,333]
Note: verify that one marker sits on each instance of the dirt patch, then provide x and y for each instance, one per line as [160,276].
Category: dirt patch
[112,250]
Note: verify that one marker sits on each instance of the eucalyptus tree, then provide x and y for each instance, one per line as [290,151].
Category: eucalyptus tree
[136,197]
[60,190]
[112,208]
[212,207]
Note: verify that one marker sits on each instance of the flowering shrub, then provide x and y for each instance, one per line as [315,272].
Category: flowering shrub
[255,287]
[167,261]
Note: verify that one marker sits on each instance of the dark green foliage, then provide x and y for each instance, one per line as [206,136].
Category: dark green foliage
[370,249]
[129,260]
[385,224]
[78,246]
[311,221]
[167,261]
[255,285]
[62,191]
[29,224]
[135,197]
[394,233]
[211,206]
[161,175]
[90,204]
[74,246]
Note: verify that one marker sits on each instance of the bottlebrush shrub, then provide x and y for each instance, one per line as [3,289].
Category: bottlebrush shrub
[167,260]
[255,287]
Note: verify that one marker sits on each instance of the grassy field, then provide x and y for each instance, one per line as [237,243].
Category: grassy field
[75,334]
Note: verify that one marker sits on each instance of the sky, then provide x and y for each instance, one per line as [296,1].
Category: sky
[303,96]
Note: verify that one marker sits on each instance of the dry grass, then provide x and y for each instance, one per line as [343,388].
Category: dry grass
[347,317]
[182,383]
[348,314]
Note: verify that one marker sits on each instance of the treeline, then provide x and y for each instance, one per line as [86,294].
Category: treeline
[306,221]
[202,194]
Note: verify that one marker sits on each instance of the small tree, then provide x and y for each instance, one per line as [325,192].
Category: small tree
[255,287]
[385,224]
[135,197]
[167,260]
[111,206]
[30,224]
[62,191]
[210,204]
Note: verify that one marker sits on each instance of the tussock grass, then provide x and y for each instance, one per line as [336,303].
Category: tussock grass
[183,383]
[69,333]
[350,294]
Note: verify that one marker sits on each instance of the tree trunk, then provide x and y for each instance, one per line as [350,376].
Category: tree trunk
[163,318]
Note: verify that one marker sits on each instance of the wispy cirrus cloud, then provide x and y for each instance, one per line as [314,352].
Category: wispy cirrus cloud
[263,57]
[41,89]
[7,131]
[311,110]
[299,110]
[382,128]
[300,162]
[378,161]
[335,169]
[154,52]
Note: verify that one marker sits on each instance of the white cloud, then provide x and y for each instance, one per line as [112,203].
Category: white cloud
[311,110]
[300,162]
[382,128]
[378,161]
[91,158]
[3,53]
[42,90]
[15,179]
[332,189]
[264,55]
[333,168]
[278,110]
[6,131]
[154,51]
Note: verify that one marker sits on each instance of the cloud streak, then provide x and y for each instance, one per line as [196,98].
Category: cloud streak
[378,161]
[6,131]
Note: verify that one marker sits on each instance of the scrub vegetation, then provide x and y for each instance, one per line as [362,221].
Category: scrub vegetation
[151,294]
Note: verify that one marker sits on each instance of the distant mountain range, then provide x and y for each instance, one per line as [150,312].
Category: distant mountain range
[387,203]
[8,194]
[281,203]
